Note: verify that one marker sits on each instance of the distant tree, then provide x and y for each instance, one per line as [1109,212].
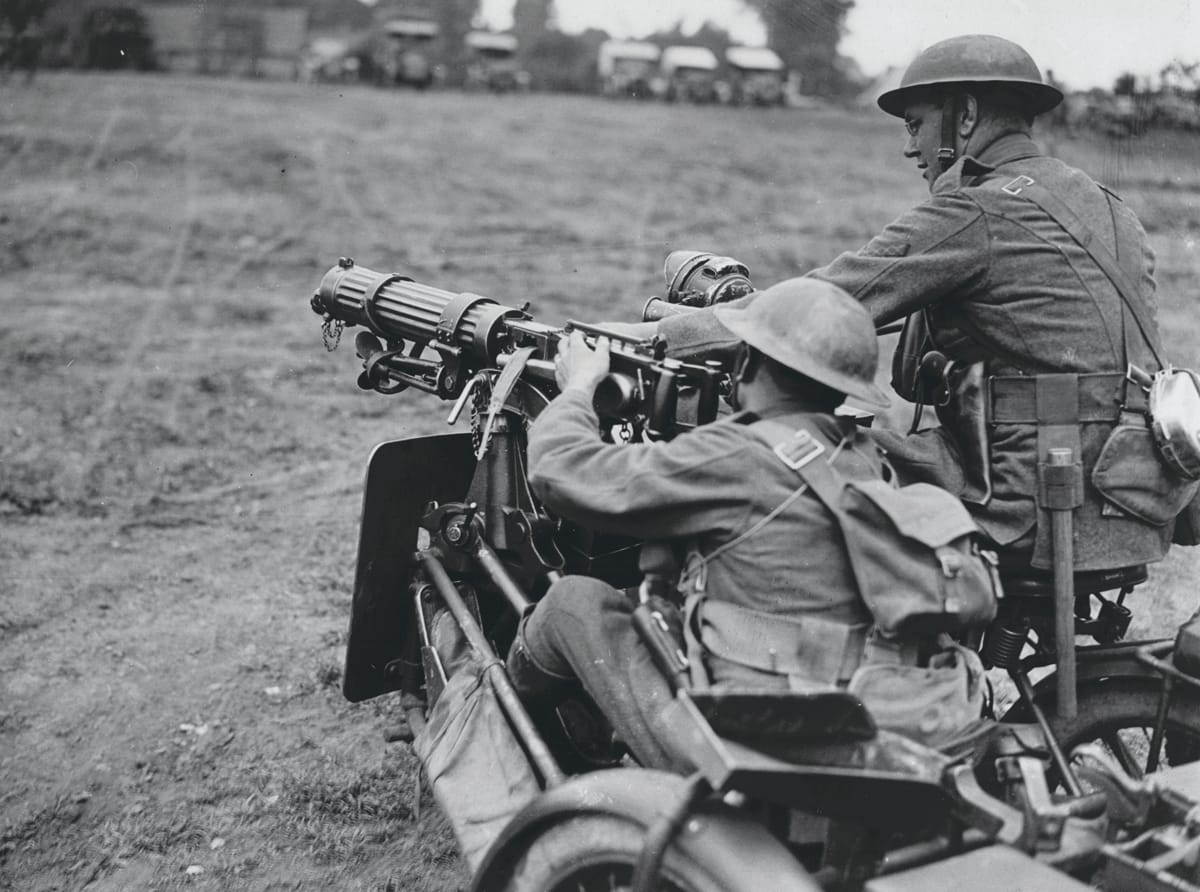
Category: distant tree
[20,35]
[531,20]
[805,34]
[1182,78]
[709,35]
[454,19]
[565,62]
[1125,84]
[22,14]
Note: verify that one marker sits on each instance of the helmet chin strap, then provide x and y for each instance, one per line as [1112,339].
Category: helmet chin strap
[951,109]
[740,364]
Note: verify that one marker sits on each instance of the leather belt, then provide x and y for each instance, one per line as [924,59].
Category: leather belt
[1012,399]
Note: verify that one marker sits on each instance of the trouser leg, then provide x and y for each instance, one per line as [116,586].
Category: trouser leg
[582,629]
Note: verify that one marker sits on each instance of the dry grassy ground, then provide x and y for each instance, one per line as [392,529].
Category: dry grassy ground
[180,460]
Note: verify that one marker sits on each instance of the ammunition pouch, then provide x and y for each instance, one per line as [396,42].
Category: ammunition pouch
[807,649]
[1131,476]
[931,703]
[929,700]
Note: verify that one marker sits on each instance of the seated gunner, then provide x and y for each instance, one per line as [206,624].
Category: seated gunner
[772,595]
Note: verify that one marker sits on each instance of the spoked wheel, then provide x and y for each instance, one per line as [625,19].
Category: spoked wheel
[597,853]
[1120,716]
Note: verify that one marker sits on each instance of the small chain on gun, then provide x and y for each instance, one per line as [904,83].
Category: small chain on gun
[331,333]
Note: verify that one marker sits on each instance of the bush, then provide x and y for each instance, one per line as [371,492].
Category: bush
[116,37]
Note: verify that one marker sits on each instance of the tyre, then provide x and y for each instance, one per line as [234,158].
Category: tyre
[597,853]
[1120,715]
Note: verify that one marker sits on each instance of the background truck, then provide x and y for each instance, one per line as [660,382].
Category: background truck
[627,68]
[756,76]
[689,74]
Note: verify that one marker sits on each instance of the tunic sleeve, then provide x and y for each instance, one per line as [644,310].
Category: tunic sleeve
[692,484]
[925,255]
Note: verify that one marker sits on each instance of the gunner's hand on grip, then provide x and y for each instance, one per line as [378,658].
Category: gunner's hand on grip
[577,366]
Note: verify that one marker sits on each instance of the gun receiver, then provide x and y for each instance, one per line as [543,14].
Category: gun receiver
[438,341]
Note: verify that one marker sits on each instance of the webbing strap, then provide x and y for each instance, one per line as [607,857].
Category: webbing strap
[1012,399]
[825,483]
[1061,213]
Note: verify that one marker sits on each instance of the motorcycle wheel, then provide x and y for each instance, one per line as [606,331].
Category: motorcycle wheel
[597,853]
[1120,715]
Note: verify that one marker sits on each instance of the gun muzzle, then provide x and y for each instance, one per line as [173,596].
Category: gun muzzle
[398,309]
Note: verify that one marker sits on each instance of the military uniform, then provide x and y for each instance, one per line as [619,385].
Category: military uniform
[709,486]
[998,281]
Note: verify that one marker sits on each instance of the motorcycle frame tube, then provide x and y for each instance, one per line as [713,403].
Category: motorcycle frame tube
[491,564]
[539,752]
[748,856]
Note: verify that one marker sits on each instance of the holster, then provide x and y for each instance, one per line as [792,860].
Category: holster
[965,414]
[914,343]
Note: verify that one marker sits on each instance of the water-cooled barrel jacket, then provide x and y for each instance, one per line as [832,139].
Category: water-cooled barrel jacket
[710,484]
[1004,283]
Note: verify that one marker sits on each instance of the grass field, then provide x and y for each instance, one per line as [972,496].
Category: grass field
[180,459]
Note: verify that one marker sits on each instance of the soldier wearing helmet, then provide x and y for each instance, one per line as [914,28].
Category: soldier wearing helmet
[759,543]
[1018,280]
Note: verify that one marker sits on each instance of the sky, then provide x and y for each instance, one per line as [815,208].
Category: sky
[1086,42]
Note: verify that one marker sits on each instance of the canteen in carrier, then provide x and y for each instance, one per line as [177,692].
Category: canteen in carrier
[1175,419]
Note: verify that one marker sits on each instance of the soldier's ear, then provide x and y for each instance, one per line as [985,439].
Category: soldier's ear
[968,115]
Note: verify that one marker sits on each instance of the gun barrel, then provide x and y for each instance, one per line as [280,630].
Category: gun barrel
[399,309]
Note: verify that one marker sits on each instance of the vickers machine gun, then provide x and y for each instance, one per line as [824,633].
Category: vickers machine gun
[454,548]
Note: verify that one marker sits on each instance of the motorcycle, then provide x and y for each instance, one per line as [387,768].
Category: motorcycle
[792,791]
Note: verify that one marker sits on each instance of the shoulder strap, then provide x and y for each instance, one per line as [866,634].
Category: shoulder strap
[696,567]
[803,453]
[1061,213]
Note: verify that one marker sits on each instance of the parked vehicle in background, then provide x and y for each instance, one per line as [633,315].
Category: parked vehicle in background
[627,68]
[492,62]
[403,53]
[330,60]
[689,74]
[756,76]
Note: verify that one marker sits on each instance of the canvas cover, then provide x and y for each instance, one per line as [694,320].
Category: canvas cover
[479,773]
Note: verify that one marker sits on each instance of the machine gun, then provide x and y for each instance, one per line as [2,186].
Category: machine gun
[449,343]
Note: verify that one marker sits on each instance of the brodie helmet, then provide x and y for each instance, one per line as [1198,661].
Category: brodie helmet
[974,59]
[814,328]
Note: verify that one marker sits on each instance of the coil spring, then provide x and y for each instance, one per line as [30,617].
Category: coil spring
[1002,645]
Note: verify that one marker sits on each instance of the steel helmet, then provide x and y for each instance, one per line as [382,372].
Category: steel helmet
[974,59]
[814,328]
